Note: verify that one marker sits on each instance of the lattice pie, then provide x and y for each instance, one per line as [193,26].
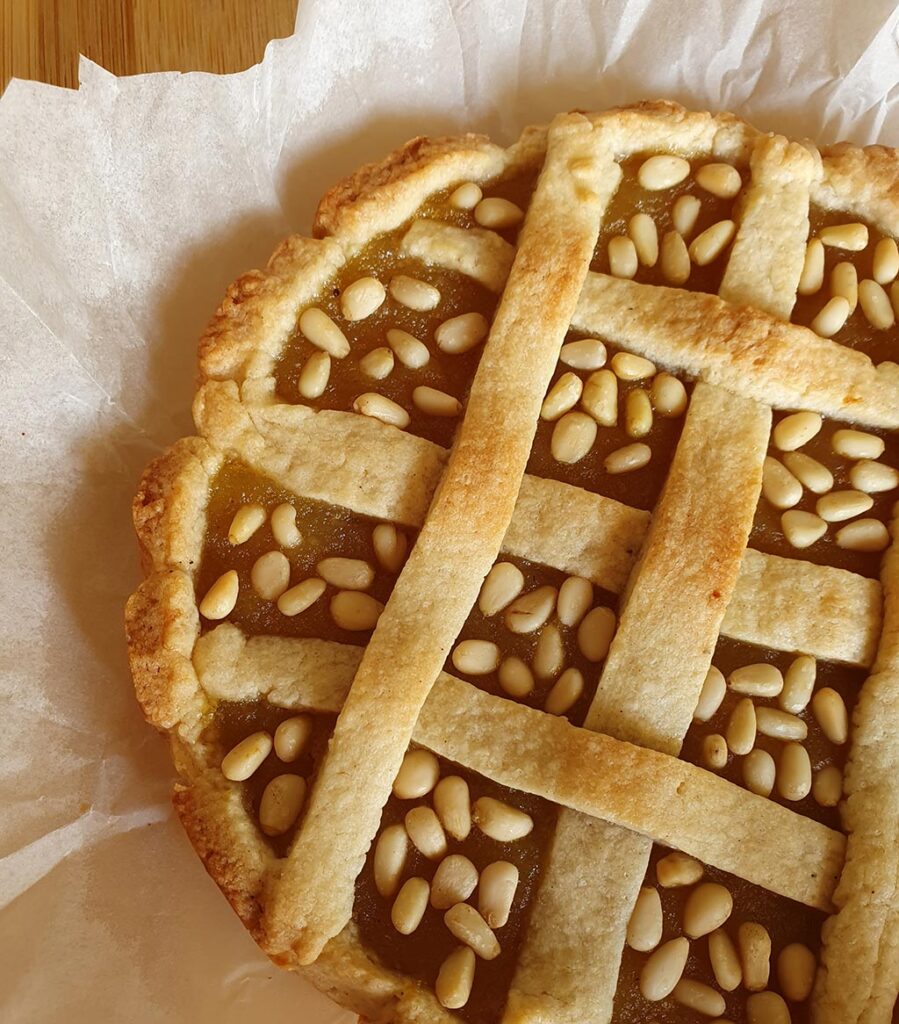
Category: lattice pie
[523,615]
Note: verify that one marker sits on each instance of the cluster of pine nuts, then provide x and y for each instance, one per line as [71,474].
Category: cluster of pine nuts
[430,828]
[597,395]
[553,615]
[746,962]
[351,608]
[845,292]
[784,478]
[795,692]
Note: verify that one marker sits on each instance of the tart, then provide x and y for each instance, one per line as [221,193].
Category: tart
[523,615]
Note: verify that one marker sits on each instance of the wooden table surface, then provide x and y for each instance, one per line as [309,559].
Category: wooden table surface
[41,39]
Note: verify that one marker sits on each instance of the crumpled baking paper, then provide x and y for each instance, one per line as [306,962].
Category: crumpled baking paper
[125,209]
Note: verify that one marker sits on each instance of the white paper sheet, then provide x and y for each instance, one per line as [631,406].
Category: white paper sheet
[125,210]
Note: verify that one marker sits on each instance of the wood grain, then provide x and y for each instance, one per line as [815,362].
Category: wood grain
[42,39]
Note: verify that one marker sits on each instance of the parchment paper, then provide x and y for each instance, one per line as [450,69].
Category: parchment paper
[125,210]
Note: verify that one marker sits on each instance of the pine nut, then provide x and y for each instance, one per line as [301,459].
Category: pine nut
[247,520]
[721,180]
[863,535]
[453,806]
[853,237]
[466,196]
[827,786]
[844,281]
[390,859]
[796,965]
[600,397]
[711,695]
[565,693]
[282,800]
[758,680]
[802,529]
[572,437]
[531,610]
[410,905]
[361,298]
[454,881]
[292,736]
[346,573]
[501,586]
[498,883]
[794,431]
[355,611]
[627,459]
[302,596]
[780,725]
[515,677]
[549,654]
[390,546]
[628,366]
[857,444]
[562,396]
[708,246]
[498,214]
[432,402]
[875,305]
[794,772]
[767,1008]
[417,776]
[725,961]
[476,657]
[838,506]
[377,364]
[759,772]
[467,925]
[574,601]
[831,318]
[425,832]
[411,352]
[461,333]
[501,822]
[320,330]
[663,970]
[661,172]
[413,293]
[380,408]
[741,727]
[829,710]
[644,929]
[873,477]
[637,413]
[809,472]
[799,682]
[221,597]
[622,257]
[755,955]
[456,977]
[699,997]
[677,869]
[284,526]
[675,258]
[645,236]
[894,296]
[684,215]
[586,354]
[669,396]
[708,906]
[270,575]
[812,276]
[714,751]
[594,634]
[780,487]
[886,261]
[244,758]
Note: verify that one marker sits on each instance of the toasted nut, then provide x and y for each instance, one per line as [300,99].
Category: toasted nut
[390,859]
[863,535]
[425,832]
[282,800]
[757,680]
[594,634]
[302,596]
[627,459]
[741,727]
[708,246]
[628,366]
[515,677]
[461,333]
[417,776]
[644,929]
[531,610]
[501,586]
[600,397]
[713,690]
[466,197]
[794,772]
[702,998]
[794,431]
[410,905]
[623,260]
[413,293]
[456,977]
[498,883]
[677,869]
[292,736]
[476,657]
[549,654]
[675,258]
[708,906]
[802,529]
[838,506]
[886,261]
[501,822]
[684,215]
[812,276]
[780,487]
[284,526]
[799,682]
[361,298]
[411,352]
[453,806]
[432,402]
[844,281]
[562,396]
[754,943]
[319,329]
[780,725]
[767,1008]
[661,172]
[377,364]
[809,472]
[714,751]
[565,693]
[586,354]
[830,712]
[669,396]
[796,967]
[498,214]
[637,413]
[355,611]
[247,520]
[574,601]
[573,437]
[721,180]
[454,881]
[827,786]
[725,961]
[379,407]
[270,575]
[346,573]
[467,925]
[759,772]
[242,760]
[663,970]
[853,237]
[833,315]
[873,477]
[645,236]
[390,546]
[221,597]
[875,305]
